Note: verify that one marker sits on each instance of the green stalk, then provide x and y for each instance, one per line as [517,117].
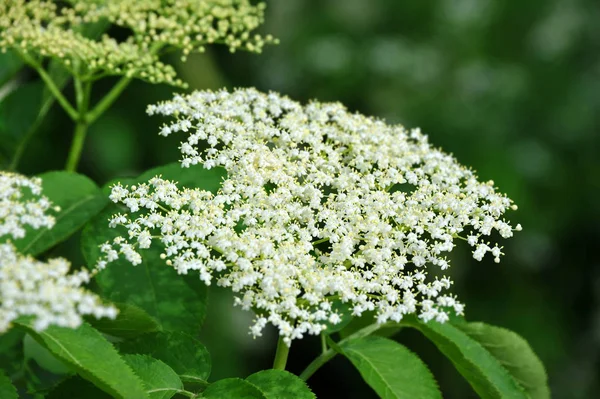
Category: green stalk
[82,94]
[115,92]
[76,146]
[281,355]
[107,100]
[330,353]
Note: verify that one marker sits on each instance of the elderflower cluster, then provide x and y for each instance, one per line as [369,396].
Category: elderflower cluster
[28,287]
[45,291]
[22,205]
[70,32]
[318,205]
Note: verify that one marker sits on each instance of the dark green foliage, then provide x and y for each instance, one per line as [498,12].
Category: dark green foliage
[182,352]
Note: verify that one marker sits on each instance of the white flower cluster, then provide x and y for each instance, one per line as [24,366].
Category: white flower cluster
[29,287]
[319,205]
[45,291]
[20,208]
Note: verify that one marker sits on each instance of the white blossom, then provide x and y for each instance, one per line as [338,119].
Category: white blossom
[318,204]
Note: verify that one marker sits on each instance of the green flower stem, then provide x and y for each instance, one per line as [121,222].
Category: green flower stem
[82,94]
[281,355]
[76,146]
[51,85]
[107,100]
[323,343]
[115,92]
[330,353]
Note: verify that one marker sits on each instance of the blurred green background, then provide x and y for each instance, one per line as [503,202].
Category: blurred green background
[511,88]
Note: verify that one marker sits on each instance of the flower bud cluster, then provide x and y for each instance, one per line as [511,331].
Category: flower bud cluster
[29,287]
[46,29]
[319,204]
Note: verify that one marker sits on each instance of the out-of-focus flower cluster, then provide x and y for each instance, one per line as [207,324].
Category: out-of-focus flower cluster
[60,30]
[318,205]
[46,291]
[29,287]
[22,205]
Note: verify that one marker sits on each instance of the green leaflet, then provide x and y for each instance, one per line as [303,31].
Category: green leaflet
[17,111]
[515,354]
[11,350]
[35,351]
[92,356]
[7,389]
[182,352]
[79,199]
[130,322]
[391,369]
[160,380]
[176,302]
[10,63]
[279,384]
[233,388]
[482,370]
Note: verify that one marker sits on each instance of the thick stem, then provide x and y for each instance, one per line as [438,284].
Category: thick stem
[323,343]
[76,146]
[330,353]
[82,94]
[281,355]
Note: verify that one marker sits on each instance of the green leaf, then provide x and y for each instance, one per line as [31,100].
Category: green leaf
[177,302]
[11,350]
[18,110]
[515,354]
[76,387]
[182,352]
[482,370]
[390,369]
[10,63]
[233,388]
[79,199]
[279,384]
[160,380]
[7,389]
[46,360]
[130,322]
[91,355]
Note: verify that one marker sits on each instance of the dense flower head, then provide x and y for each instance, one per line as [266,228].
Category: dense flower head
[22,204]
[318,205]
[65,31]
[45,291]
